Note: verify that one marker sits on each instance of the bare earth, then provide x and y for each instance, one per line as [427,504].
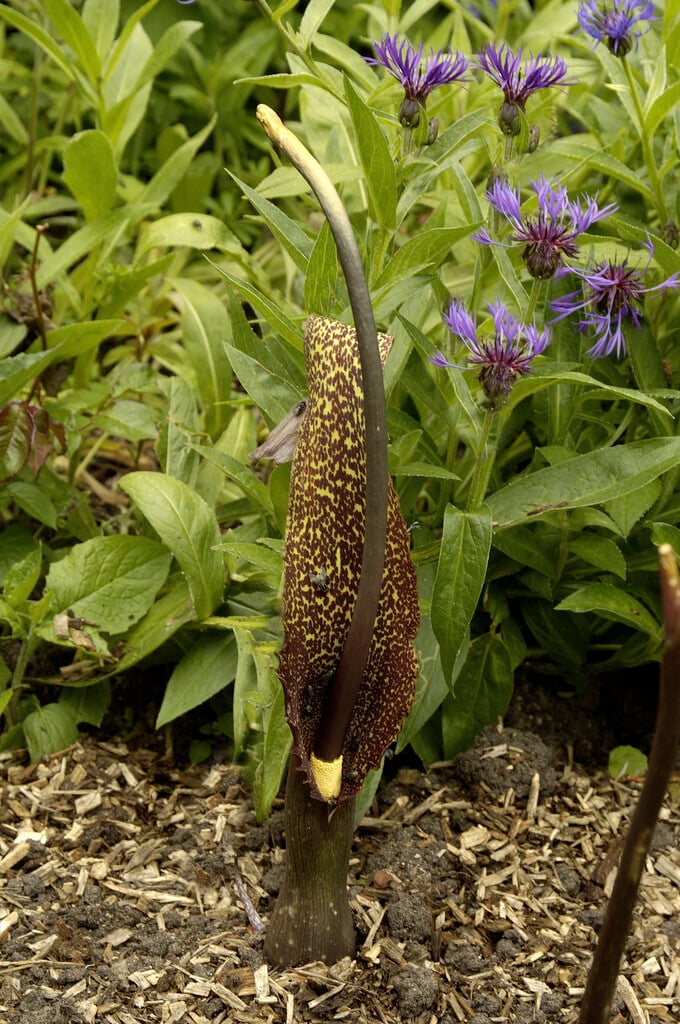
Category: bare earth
[477,891]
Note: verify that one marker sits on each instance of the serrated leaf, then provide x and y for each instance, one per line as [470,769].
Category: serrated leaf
[187,526]
[612,603]
[601,552]
[376,160]
[461,570]
[590,479]
[297,244]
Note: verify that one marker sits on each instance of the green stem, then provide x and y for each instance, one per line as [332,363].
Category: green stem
[647,145]
[536,287]
[330,737]
[486,454]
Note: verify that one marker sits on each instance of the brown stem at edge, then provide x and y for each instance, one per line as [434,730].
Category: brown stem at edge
[34,285]
[596,1005]
[312,919]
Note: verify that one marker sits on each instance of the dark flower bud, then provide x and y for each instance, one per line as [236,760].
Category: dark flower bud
[432,131]
[409,113]
[534,138]
[619,46]
[509,119]
[542,259]
[670,234]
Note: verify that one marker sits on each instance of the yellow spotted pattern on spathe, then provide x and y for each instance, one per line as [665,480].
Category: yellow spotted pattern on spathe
[322,563]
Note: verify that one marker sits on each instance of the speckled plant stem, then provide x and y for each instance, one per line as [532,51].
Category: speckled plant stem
[312,919]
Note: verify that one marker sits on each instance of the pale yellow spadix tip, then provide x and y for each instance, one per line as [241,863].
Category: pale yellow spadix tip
[327,776]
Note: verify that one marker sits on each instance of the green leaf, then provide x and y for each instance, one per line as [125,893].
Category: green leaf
[16,543]
[133,421]
[205,325]
[187,526]
[627,510]
[205,669]
[12,124]
[376,160]
[40,36]
[612,603]
[100,18]
[276,748]
[174,442]
[22,578]
[70,27]
[590,479]
[111,581]
[661,106]
[463,557]
[90,172]
[601,552]
[270,310]
[49,729]
[288,232]
[183,229]
[482,694]
[272,392]
[315,13]
[16,438]
[165,617]
[33,500]
[426,249]
[241,475]
[88,703]
[175,167]
[322,273]
[626,761]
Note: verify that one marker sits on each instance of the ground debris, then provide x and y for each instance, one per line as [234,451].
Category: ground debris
[131,893]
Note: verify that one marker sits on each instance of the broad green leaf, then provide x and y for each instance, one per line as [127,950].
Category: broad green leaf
[33,500]
[174,443]
[376,160]
[463,557]
[100,18]
[16,544]
[90,172]
[81,243]
[662,105]
[322,273]
[126,34]
[165,49]
[560,634]
[183,229]
[540,380]
[111,581]
[297,244]
[49,729]
[665,533]
[315,12]
[88,703]
[627,510]
[272,392]
[205,326]
[427,248]
[22,578]
[165,617]
[522,544]
[207,667]
[187,526]
[482,693]
[626,761]
[70,27]
[241,475]
[133,421]
[592,155]
[590,479]
[612,603]
[601,552]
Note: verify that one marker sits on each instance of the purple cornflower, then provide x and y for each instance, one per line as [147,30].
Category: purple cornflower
[418,74]
[612,21]
[550,236]
[506,354]
[519,77]
[610,295]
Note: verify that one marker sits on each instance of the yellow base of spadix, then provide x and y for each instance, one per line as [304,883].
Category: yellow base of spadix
[327,776]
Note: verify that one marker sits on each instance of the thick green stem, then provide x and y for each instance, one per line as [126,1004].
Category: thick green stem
[595,1008]
[312,919]
[343,691]
[486,454]
[536,287]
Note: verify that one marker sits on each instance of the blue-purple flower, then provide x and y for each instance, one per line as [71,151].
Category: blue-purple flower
[611,294]
[614,21]
[550,236]
[502,356]
[519,77]
[417,72]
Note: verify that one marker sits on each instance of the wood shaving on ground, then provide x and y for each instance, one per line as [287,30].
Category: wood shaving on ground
[133,892]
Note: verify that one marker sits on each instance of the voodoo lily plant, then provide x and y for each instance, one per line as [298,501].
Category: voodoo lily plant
[466,447]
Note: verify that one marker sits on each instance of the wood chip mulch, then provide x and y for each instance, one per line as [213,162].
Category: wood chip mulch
[132,891]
